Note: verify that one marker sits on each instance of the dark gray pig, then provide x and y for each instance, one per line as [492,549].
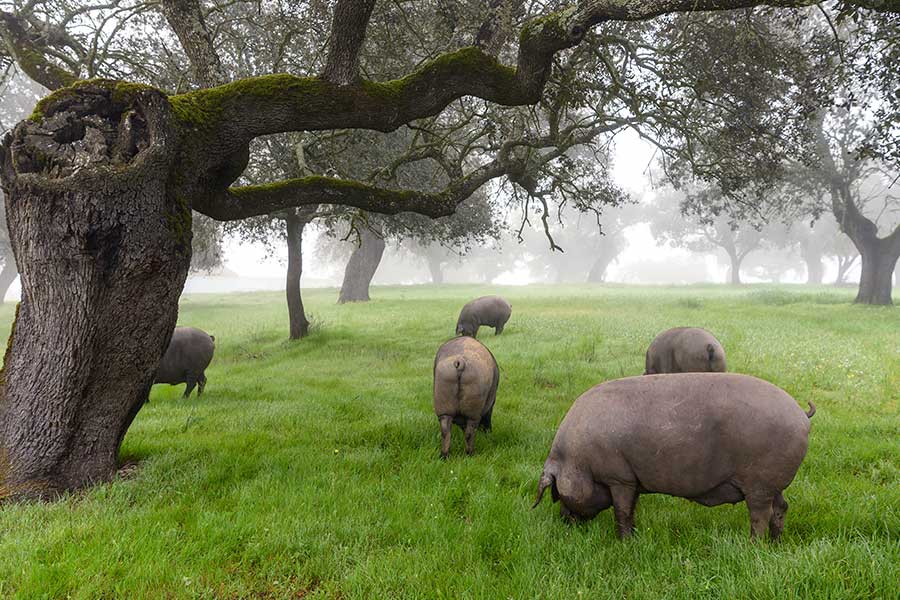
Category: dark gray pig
[465,388]
[685,350]
[491,311]
[713,438]
[189,353]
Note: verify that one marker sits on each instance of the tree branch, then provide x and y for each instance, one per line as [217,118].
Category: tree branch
[348,32]
[254,200]
[185,17]
[494,32]
[29,57]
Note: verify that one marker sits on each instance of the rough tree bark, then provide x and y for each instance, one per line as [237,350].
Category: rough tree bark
[299,324]
[362,266]
[104,248]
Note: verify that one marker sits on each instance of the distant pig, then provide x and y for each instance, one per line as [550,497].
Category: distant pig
[189,353]
[685,350]
[713,438]
[465,388]
[491,311]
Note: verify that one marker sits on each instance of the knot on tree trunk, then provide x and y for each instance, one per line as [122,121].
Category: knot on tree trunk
[91,124]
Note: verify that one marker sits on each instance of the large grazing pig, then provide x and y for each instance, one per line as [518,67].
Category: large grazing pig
[491,311]
[465,388]
[685,350]
[708,437]
[189,353]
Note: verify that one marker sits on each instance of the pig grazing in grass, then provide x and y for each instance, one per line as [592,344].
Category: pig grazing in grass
[708,437]
[491,311]
[685,350]
[189,353]
[465,388]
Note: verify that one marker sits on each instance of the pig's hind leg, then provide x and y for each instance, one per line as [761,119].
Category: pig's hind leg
[779,510]
[761,512]
[191,380]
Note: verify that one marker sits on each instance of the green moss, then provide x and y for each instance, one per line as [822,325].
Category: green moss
[122,92]
[180,222]
[549,26]
[203,108]
[465,62]
[317,181]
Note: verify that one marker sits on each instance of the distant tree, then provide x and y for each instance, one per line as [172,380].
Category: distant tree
[671,224]
[588,247]
[843,78]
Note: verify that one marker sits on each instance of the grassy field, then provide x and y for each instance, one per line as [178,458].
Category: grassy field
[310,469]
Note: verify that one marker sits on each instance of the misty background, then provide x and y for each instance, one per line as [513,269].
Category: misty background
[647,240]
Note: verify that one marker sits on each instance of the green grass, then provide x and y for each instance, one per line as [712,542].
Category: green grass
[310,469]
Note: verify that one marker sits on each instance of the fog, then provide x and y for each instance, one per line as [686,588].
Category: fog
[644,260]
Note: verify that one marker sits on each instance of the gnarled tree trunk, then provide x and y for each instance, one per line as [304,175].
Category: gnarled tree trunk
[104,247]
[879,258]
[299,324]
[362,266]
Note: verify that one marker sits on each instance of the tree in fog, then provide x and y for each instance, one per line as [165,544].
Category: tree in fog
[843,151]
[671,224]
[101,180]
[588,247]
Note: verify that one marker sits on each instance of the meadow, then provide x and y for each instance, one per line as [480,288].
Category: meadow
[310,469]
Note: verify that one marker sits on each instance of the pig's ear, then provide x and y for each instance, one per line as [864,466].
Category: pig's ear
[212,337]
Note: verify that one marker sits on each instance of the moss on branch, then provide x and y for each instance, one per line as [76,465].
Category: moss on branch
[121,92]
[283,101]
[248,201]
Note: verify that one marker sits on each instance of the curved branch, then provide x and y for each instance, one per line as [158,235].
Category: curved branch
[253,200]
[29,57]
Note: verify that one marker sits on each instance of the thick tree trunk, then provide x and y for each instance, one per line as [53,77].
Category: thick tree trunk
[7,275]
[103,245]
[876,277]
[299,324]
[361,267]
